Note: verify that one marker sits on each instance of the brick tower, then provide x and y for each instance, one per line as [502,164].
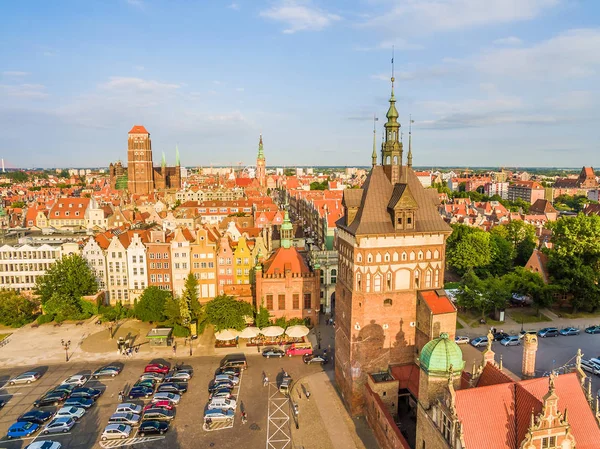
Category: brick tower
[391,244]
[139,161]
[530,345]
[261,170]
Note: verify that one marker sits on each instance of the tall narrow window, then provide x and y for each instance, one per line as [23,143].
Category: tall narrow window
[281,302]
[307,301]
[368,289]
[377,283]
[388,281]
[296,301]
[269,302]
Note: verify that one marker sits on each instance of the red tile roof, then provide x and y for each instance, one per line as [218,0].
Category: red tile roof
[491,375]
[285,259]
[408,377]
[138,129]
[437,304]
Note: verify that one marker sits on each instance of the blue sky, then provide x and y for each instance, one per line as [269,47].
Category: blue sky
[488,82]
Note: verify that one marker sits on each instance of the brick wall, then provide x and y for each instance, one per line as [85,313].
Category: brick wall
[382,423]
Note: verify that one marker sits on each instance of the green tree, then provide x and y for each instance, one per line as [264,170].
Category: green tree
[19,204]
[15,310]
[263,317]
[577,236]
[225,312]
[62,307]
[69,277]
[63,173]
[501,255]
[528,283]
[468,247]
[189,297]
[18,176]
[151,305]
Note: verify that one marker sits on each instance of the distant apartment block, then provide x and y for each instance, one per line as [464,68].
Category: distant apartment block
[529,191]
[496,188]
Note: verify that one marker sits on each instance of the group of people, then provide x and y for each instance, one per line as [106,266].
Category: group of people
[128,350]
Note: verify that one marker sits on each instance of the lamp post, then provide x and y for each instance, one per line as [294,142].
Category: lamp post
[66,345]
[319,340]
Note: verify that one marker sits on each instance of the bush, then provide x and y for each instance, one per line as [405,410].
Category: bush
[43,319]
[180,331]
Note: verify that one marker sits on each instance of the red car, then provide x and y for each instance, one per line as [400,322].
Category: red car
[156,368]
[159,404]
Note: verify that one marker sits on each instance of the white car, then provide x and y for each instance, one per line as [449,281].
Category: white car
[164,396]
[222,404]
[115,432]
[461,340]
[128,407]
[58,425]
[70,412]
[78,380]
[47,444]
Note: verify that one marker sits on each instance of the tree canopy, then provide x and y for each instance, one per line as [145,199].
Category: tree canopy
[226,312]
[15,310]
[151,305]
[468,248]
[69,277]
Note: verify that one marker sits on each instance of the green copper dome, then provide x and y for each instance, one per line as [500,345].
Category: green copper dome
[437,356]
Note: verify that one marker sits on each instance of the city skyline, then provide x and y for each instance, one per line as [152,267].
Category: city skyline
[510,84]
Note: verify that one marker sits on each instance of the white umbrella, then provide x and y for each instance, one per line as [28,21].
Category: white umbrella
[272,331]
[249,332]
[297,331]
[226,335]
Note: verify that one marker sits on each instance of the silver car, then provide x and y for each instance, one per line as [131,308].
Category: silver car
[130,419]
[59,425]
[128,407]
[116,432]
[25,378]
[512,340]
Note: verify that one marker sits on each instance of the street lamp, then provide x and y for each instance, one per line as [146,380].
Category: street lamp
[319,340]
[66,345]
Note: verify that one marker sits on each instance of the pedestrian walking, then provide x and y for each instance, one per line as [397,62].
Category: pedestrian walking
[174,349]
[244,417]
[265,381]
[120,396]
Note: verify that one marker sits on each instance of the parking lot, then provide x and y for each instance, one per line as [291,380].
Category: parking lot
[186,430]
[553,353]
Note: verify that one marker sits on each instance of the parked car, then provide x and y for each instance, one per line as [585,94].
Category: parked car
[145,383]
[569,331]
[273,352]
[181,376]
[461,339]
[36,416]
[51,398]
[22,429]
[173,387]
[226,378]
[219,385]
[221,393]
[70,412]
[595,360]
[216,415]
[159,404]
[153,427]
[106,371]
[235,362]
[63,388]
[230,370]
[518,300]
[45,444]
[523,332]
[315,358]
[76,380]
[548,332]
[593,330]
[156,368]
[59,425]
[85,392]
[130,419]
[163,396]
[25,378]
[157,377]
[140,392]
[499,336]
[590,367]
[79,402]
[115,432]
[158,414]
[128,407]
[512,340]
[479,341]
[222,404]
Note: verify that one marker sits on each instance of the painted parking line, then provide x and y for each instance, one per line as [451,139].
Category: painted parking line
[109,444]
[227,424]
[40,435]
[11,394]
[278,420]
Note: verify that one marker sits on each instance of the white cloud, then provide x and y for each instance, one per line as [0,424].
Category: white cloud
[510,41]
[430,16]
[572,54]
[299,15]
[24,90]
[15,74]
[136,3]
[240,89]
[573,100]
[234,6]
[137,84]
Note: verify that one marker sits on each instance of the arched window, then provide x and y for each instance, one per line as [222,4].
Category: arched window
[387,160]
[437,278]
[358,258]
[395,160]
[428,279]
[395,258]
[436,254]
[403,256]
[387,302]
[412,255]
[368,289]
[377,283]
[417,275]
[358,281]
[378,258]
[369,258]
[420,257]
[389,281]
[386,258]
[428,255]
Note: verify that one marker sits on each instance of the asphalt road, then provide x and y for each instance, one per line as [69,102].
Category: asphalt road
[186,430]
[553,352]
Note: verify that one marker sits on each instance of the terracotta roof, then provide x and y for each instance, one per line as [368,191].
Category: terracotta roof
[138,129]
[408,377]
[507,409]
[491,375]
[436,303]
[285,259]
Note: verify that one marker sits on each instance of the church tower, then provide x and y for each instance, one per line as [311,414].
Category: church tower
[261,170]
[391,147]
[139,161]
[391,244]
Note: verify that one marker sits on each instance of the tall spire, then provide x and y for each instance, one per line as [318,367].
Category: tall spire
[410,122]
[261,154]
[164,160]
[374,154]
[177,162]
[391,148]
